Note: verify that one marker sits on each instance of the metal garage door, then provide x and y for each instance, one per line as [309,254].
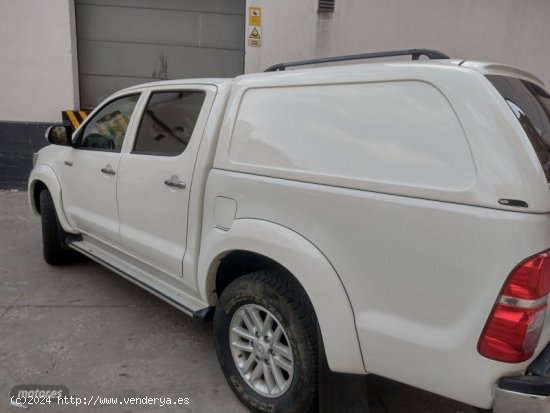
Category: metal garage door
[126,42]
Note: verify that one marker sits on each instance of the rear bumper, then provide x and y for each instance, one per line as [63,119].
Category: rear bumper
[522,394]
[529,393]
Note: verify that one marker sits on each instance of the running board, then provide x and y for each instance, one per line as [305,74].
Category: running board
[183,302]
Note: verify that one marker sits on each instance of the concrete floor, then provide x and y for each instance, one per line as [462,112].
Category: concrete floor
[89,329]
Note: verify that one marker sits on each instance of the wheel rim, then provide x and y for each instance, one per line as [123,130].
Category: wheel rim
[261,350]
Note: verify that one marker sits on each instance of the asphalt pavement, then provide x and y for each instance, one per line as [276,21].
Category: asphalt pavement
[84,327]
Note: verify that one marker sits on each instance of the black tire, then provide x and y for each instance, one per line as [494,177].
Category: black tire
[285,299]
[55,249]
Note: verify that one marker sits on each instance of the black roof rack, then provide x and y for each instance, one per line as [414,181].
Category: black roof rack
[415,53]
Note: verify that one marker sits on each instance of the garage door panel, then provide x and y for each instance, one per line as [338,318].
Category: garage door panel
[121,40]
[120,24]
[158,61]
[123,24]
[225,37]
[211,6]
[93,89]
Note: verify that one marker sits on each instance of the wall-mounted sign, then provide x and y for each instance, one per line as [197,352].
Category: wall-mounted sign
[255,36]
[254,33]
[255,16]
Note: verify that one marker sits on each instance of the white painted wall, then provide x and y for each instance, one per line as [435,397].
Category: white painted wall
[514,32]
[38,66]
[39,71]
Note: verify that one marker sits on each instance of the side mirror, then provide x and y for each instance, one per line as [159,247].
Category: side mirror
[59,135]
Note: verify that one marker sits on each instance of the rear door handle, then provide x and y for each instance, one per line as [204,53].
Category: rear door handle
[68,163]
[108,169]
[175,182]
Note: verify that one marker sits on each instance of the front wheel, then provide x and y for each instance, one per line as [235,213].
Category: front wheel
[266,340]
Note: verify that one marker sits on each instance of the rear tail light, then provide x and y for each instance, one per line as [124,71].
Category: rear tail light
[514,327]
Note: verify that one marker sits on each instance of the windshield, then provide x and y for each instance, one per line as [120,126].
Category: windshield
[531,106]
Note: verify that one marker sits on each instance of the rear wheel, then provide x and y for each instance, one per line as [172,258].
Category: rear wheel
[266,339]
[55,249]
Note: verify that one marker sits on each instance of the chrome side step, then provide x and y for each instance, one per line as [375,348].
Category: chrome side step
[182,301]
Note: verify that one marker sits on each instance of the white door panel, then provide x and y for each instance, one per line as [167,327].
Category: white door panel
[155,175]
[89,195]
[154,215]
[88,174]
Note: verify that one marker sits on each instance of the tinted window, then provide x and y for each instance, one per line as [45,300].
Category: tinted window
[107,129]
[531,106]
[168,122]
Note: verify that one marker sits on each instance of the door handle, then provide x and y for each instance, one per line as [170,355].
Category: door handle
[108,169]
[68,163]
[175,182]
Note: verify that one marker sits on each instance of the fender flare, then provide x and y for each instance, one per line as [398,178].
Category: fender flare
[310,267]
[46,175]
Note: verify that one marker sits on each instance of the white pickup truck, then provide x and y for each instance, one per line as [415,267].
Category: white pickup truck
[397,213]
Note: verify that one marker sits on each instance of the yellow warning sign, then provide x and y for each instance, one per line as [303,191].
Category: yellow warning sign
[255,16]
[255,36]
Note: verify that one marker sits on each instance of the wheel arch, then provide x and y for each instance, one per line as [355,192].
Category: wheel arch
[44,178]
[36,187]
[270,243]
[234,264]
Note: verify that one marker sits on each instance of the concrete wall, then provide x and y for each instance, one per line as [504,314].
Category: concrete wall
[514,32]
[39,74]
[38,64]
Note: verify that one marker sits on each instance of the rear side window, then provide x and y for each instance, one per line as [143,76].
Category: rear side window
[531,106]
[168,122]
[403,133]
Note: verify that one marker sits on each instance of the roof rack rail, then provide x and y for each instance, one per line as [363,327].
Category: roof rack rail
[415,53]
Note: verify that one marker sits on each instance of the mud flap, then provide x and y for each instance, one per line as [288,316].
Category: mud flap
[340,392]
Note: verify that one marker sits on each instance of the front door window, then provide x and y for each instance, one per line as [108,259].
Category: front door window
[107,129]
